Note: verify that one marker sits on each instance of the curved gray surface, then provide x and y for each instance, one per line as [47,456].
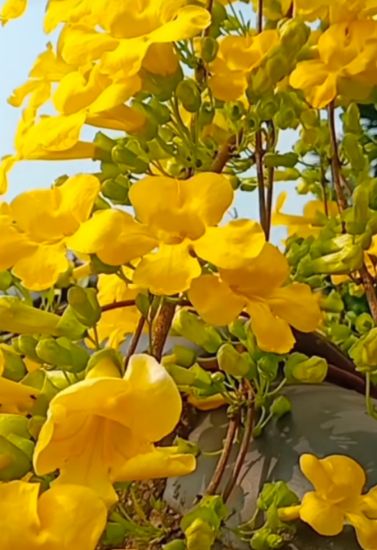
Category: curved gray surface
[325,420]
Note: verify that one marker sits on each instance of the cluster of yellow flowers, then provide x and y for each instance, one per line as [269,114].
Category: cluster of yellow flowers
[173,242]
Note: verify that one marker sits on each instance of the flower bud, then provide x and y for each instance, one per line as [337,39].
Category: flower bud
[268,366]
[115,191]
[206,114]
[104,142]
[300,368]
[180,375]
[238,329]
[364,323]
[160,111]
[62,353]
[26,345]
[188,94]
[281,406]
[232,362]
[293,36]
[209,49]
[199,534]
[85,305]
[184,356]
[267,107]
[332,302]
[364,352]
[277,66]
[13,366]
[193,328]
[20,318]
[121,155]
[273,160]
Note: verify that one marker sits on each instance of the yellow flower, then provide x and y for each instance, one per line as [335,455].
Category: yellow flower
[336,11]
[337,499]
[129,32]
[12,9]
[258,289]
[65,517]
[180,217]
[51,138]
[312,220]
[35,230]
[102,430]
[115,324]
[237,56]
[346,64]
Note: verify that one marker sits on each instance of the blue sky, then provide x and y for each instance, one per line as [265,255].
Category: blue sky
[20,42]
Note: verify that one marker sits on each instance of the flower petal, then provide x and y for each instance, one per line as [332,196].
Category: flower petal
[323,516]
[72,517]
[185,23]
[272,333]
[12,9]
[153,403]
[297,305]
[159,463]
[19,513]
[214,300]
[209,195]
[257,279]
[16,398]
[62,208]
[231,246]
[13,244]
[346,475]
[167,271]
[114,236]
[366,530]
[41,269]
[77,197]
[318,84]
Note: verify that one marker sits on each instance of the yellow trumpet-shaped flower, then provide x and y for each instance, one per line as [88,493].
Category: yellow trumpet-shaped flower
[237,56]
[65,517]
[102,430]
[337,11]
[128,31]
[37,225]
[180,216]
[258,289]
[346,56]
[337,499]
[312,220]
